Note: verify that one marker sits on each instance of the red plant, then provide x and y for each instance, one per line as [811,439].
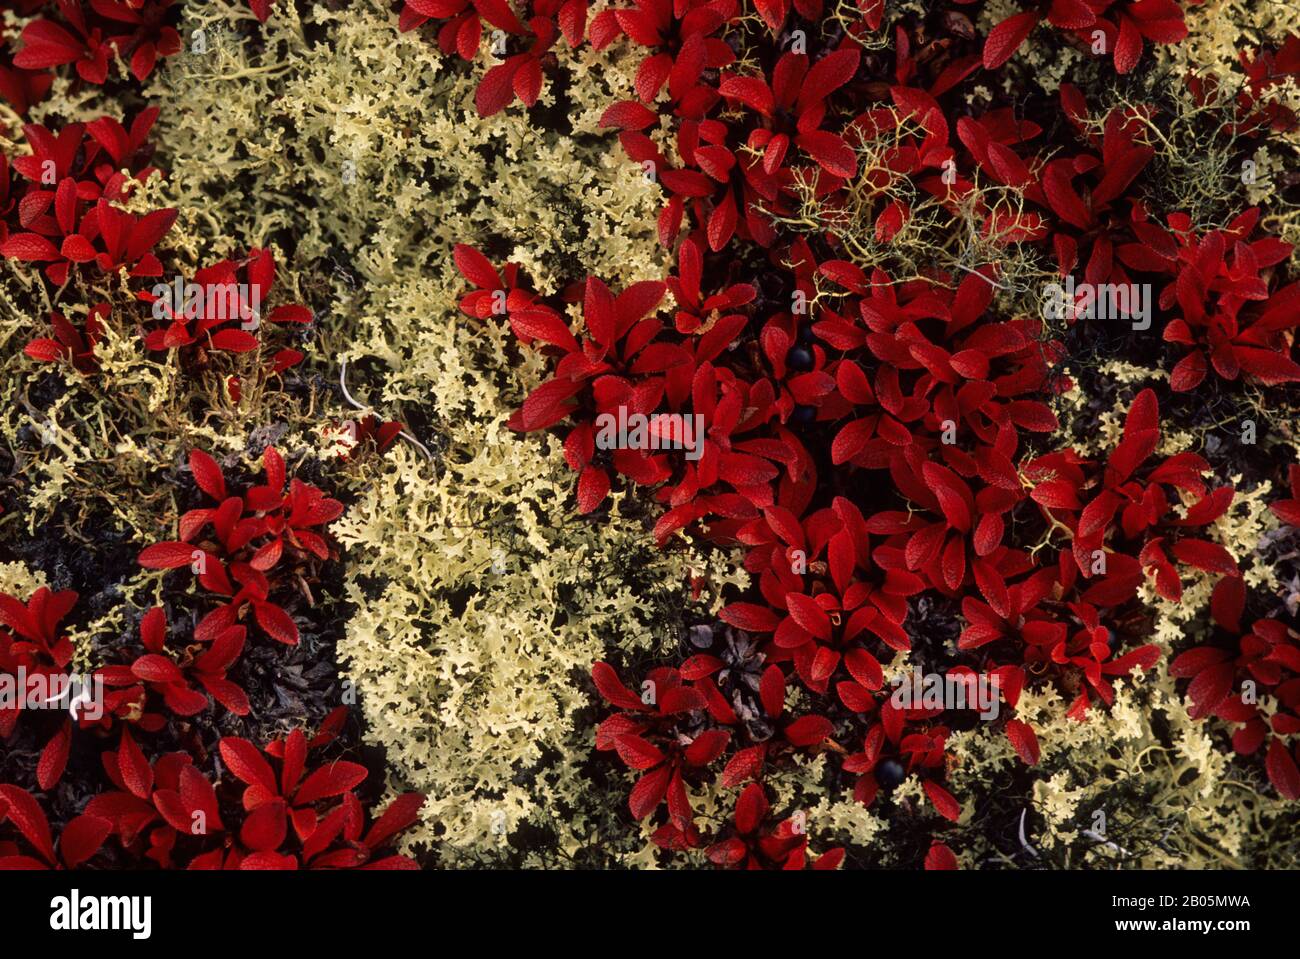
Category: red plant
[1228,682]
[21,88]
[261,9]
[76,220]
[758,844]
[519,74]
[1141,504]
[923,750]
[339,841]
[168,794]
[174,679]
[697,312]
[593,378]
[274,802]
[655,738]
[329,840]
[940,857]
[371,431]
[69,343]
[735,189]
[135,30]
[817,621]
[1265,68]
[1123,24]
[220,309]
[1288,510]
[806,732]
[261,541]
[47,43]
[1229,319]
[167,810]
[492,296]
[31,641]
[79,840]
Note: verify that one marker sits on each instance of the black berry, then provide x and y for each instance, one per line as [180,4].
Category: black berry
[799,358]
[890,773]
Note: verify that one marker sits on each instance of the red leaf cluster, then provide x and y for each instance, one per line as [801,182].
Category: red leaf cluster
[75,346]
[1118,28]
[181,680]
[67,215]
[226,314]
[1229,317]
[166,810]
[518,74]
[875,442]
[1231,675]
[248,546]
[31,640]
[87,35]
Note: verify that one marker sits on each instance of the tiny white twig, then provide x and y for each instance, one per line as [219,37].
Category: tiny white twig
[1023,841]
[963,266]
[343,385]
[1098,837]
[82,697]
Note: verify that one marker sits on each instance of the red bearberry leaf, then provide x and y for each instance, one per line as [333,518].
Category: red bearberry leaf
[137,775]
[649,792]
[247,763]
[54,757]
[277,623]
[628,115]
[1005,39]
[328,781]
[940,857]
[171,555]
[81,839]
[809,730]
[593,487]
[751,808]
[612,688]
[1282,771]
[1024,741]
[942,799]
[751,617]
[744,765]
[26,815]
